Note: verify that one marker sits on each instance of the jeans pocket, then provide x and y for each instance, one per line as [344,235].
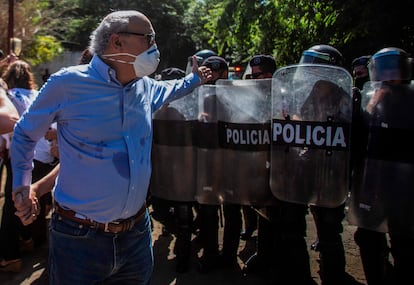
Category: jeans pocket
[64,226]
[144,226]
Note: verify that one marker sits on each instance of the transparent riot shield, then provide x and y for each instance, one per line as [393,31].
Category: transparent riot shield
[174,156]
[234,165]
[311,116]
[382,196]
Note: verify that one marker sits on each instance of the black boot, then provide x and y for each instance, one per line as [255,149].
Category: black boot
[329,228]
[254,265]
[184,218]
[183,253]
[374,253]
[208,215]
[231,238]
[332,263]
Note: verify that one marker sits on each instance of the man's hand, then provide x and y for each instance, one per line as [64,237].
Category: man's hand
[203,72]
[26,203]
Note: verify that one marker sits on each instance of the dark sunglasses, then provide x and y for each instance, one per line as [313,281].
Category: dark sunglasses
[216,65]
[254,75]
[150,37]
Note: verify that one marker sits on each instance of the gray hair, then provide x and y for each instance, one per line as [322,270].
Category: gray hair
[113,23]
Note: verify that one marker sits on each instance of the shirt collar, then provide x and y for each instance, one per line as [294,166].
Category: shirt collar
[104,70]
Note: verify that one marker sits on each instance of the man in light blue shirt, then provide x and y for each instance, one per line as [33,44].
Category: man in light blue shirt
[100,229]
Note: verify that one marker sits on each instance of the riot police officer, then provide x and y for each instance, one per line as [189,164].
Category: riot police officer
[360,71]
[262,66]
[178,217]
[175,216]
[328,221]
[373,245]
[292,265]
[208,214]
[382,198]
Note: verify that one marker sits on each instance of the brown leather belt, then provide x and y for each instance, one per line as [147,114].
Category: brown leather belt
[112,227]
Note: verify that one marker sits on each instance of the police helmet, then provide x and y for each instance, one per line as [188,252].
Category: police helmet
[216,63]
[171,73]
[266,62]
[201,56]
[362,60]
[322,54]
[390,63]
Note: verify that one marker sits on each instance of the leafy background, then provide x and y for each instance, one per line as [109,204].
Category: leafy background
[235,29]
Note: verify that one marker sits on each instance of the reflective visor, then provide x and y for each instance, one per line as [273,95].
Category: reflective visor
[311,56]
[391,65]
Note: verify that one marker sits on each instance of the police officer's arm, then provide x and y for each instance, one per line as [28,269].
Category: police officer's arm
[8,113]
[26,198]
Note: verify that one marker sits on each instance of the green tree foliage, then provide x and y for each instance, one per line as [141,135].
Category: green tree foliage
[239,29]
[82,17]
[235,29]
[42,49]
[368,26]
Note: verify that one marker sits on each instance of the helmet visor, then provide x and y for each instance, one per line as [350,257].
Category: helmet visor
[311,56]
[390,65]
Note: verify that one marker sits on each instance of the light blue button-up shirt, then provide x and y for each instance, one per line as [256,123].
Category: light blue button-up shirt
[104,136]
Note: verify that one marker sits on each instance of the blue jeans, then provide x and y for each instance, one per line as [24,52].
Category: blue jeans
[81,255]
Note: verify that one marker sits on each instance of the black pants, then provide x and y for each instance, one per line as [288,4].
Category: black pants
[402,250]
[12,230]
[231,233]
[374,250]
[290,263]
[329,228]
[10,223]
[209,227]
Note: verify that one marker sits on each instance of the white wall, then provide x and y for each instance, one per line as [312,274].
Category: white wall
[67,58]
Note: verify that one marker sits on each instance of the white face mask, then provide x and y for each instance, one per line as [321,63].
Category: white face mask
[144,64]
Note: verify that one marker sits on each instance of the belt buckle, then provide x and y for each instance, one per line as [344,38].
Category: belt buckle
[115,224]
[125,225]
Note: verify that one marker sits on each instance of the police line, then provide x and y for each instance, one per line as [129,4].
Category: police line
[223,140]
[251,141]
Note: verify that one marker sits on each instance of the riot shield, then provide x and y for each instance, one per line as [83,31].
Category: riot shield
[311,116]
[174,155]
[382,196]
[233,164]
